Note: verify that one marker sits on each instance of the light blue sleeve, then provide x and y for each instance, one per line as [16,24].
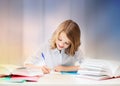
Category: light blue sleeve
[36,58]
[79,57]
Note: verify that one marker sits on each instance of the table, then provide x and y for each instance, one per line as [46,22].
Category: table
[65,80]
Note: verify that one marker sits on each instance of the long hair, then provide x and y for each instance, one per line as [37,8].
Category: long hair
[72,31]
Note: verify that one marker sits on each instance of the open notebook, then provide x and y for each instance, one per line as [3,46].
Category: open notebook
[20,73]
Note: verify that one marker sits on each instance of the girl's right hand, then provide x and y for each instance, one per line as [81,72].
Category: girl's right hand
[45,69]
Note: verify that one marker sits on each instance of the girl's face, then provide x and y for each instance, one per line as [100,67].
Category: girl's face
[62,42]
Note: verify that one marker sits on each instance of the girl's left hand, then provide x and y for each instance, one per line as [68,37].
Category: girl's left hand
[59,68]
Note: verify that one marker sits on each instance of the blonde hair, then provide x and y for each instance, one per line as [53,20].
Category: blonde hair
[73,33]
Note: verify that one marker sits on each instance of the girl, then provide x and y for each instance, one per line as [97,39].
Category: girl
[62,52]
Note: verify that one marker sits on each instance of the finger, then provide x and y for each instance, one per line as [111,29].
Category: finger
[56,70]
[46,69]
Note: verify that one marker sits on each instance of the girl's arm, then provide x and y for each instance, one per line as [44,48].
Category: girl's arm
[66,68]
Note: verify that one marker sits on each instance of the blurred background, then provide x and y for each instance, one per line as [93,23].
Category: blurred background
[26,24]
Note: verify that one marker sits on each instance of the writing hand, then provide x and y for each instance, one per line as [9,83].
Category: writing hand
[45,69]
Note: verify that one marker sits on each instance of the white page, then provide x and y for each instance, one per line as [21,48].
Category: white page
[110,66]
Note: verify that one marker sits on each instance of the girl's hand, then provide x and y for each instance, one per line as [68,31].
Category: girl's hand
[45,69]
[59,68]
[66,68]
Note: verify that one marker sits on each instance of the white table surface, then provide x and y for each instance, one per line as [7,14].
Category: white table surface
[65,80]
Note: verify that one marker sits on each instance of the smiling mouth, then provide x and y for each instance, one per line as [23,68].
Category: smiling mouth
[60,46]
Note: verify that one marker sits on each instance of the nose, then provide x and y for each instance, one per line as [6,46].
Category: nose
[62,44]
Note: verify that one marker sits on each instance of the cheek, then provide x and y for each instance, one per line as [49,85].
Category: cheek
[66,46]
[57,43]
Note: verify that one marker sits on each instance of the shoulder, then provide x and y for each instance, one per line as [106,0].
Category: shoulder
[79,54]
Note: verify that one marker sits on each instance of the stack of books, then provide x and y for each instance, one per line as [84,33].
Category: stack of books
[19,74]
[99,69]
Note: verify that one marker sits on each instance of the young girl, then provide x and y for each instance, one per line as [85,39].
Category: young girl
[62,53]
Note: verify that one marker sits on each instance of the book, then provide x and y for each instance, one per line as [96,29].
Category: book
[20,73]
[69,72]
[6,69]
[26,78]
[99,69]
[8,79]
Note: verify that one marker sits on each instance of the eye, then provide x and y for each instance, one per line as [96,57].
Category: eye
[67,43]
[59,39]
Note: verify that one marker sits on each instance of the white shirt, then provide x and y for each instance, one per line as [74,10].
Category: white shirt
[53,57]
